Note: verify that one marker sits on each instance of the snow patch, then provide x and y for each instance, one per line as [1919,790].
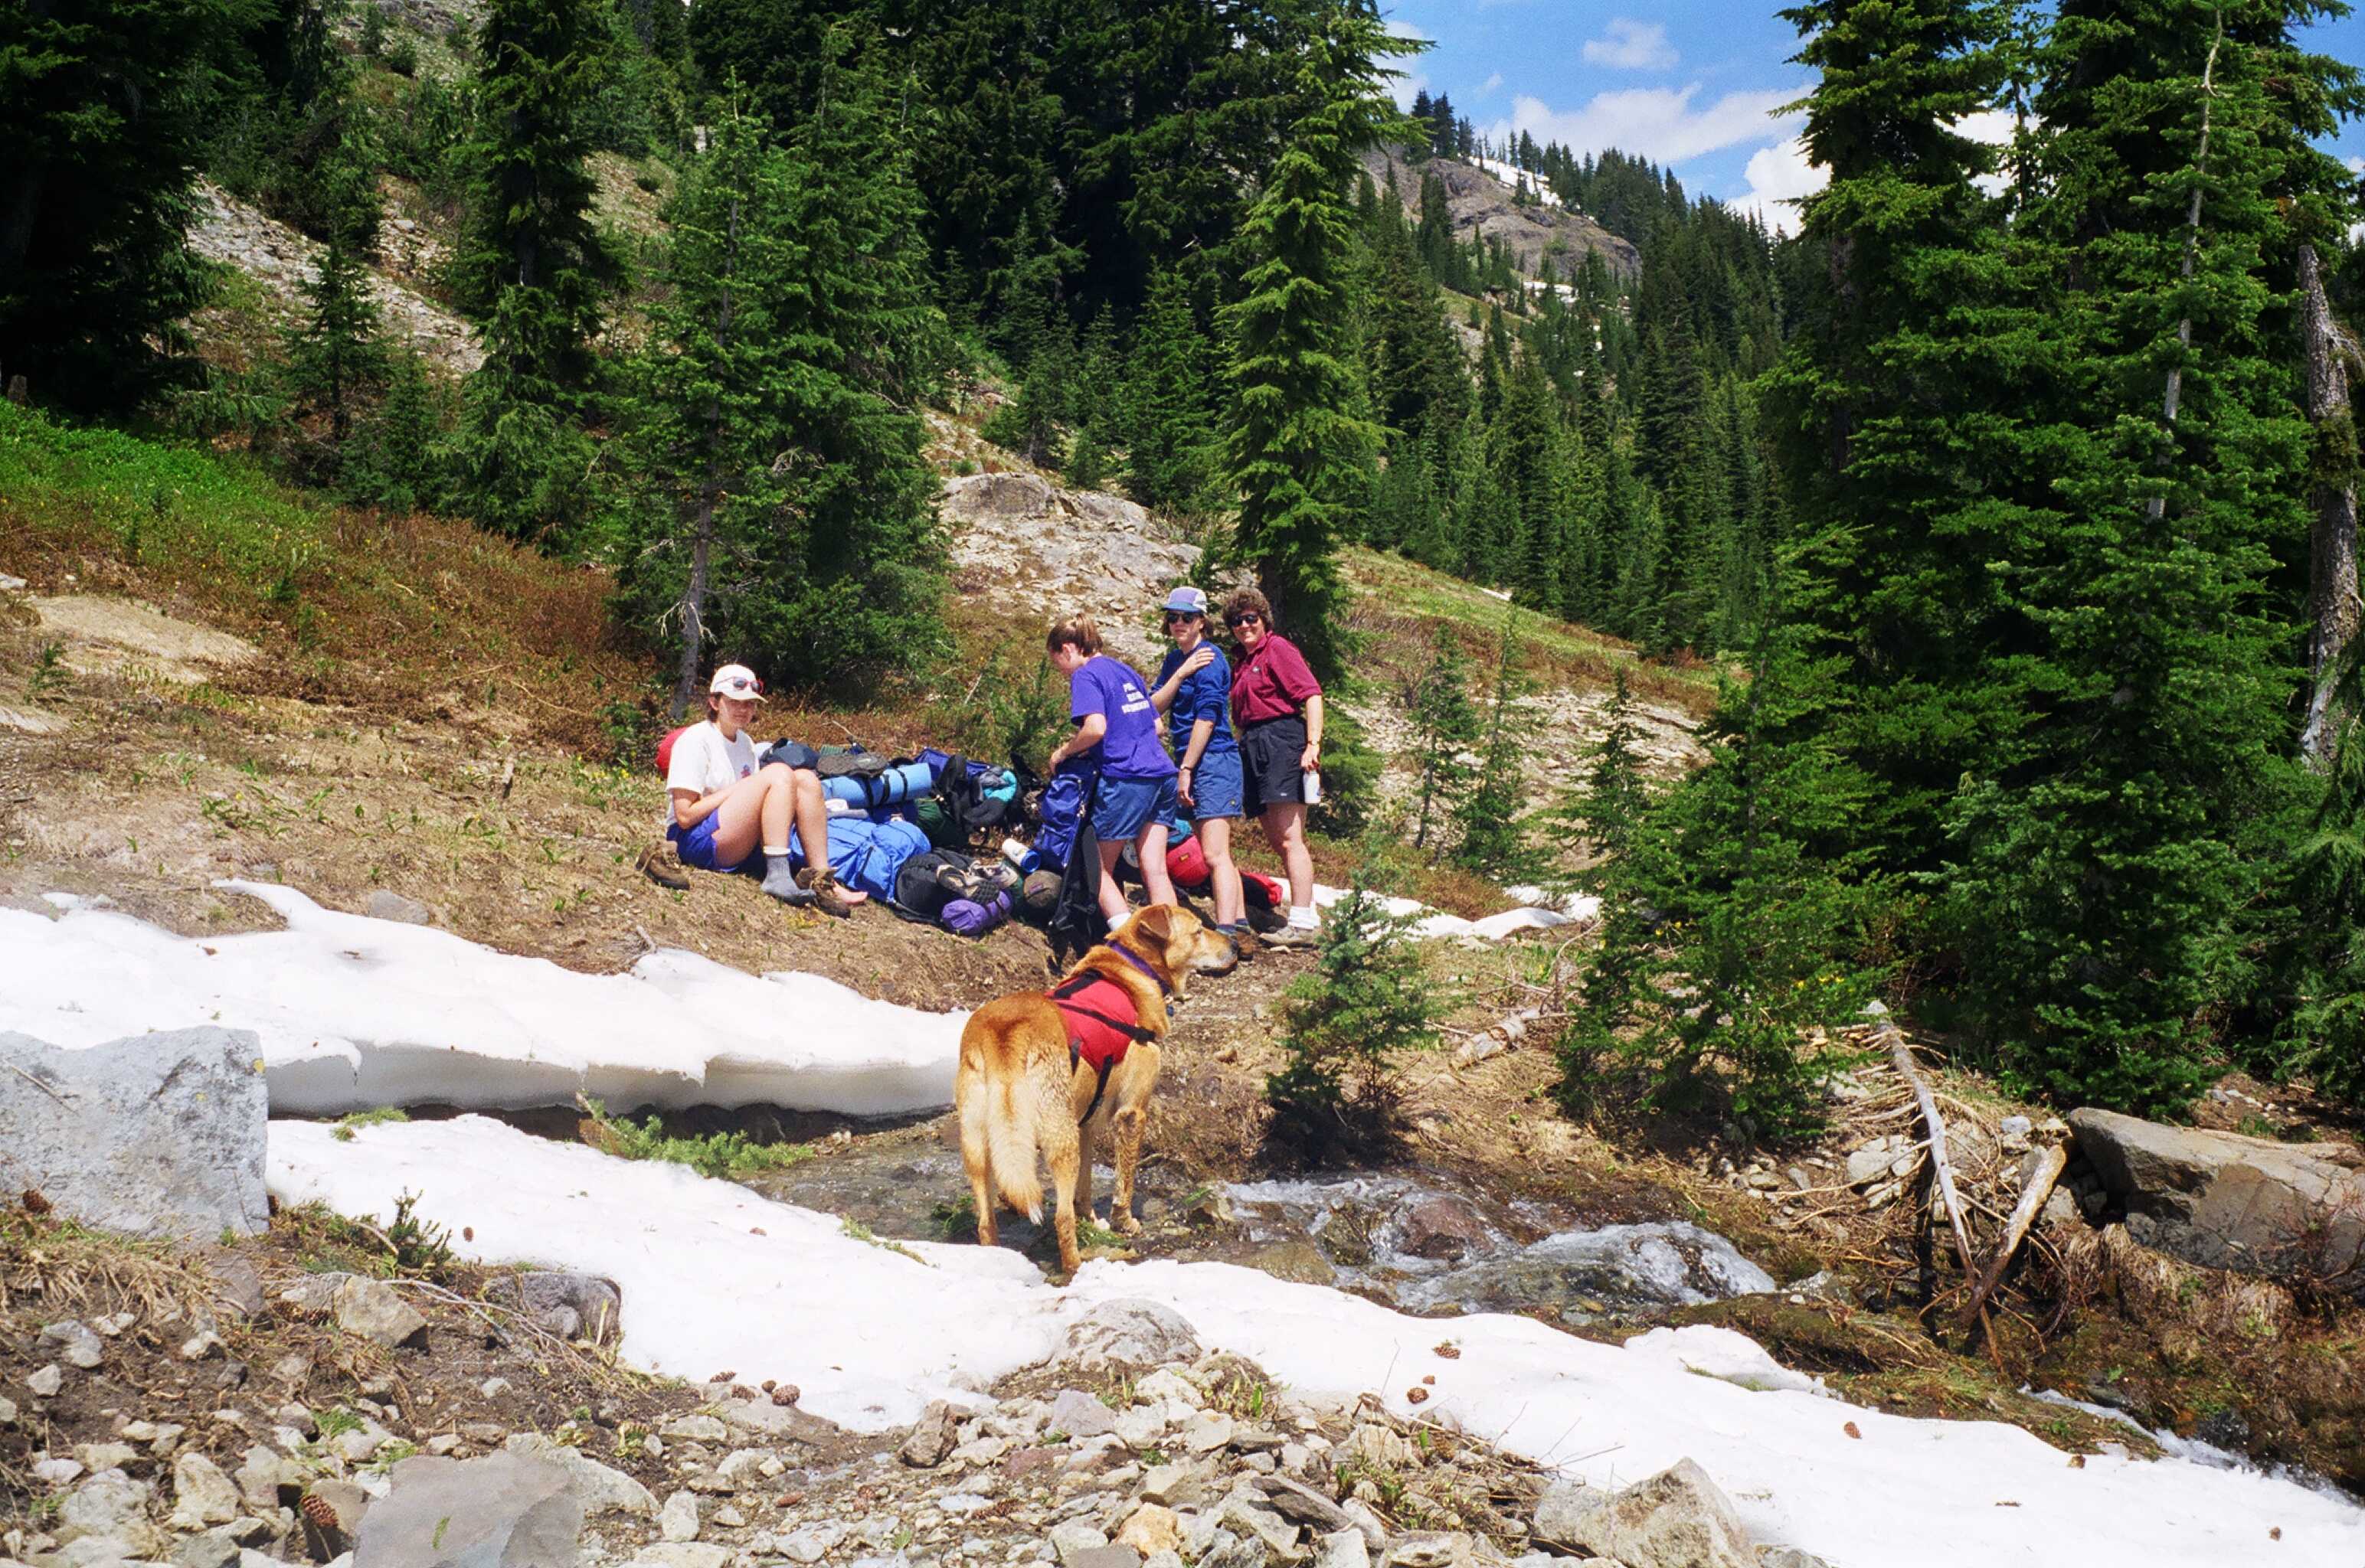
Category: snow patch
[1536,911]
[714,1278]
[354,1013]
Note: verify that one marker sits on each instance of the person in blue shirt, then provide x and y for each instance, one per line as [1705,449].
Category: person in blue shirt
[1116,735]
[1194,691]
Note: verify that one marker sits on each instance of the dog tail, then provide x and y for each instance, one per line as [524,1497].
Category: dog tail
[1011,1137]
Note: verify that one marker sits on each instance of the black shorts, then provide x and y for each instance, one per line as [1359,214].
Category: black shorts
[1270,752]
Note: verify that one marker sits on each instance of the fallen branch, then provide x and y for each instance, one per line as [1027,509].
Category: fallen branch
[1901,1054]
[2032,1194]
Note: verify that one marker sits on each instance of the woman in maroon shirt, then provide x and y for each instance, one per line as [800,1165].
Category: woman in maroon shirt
[1277,704]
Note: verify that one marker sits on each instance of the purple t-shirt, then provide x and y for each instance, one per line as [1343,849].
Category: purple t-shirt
[1131,749]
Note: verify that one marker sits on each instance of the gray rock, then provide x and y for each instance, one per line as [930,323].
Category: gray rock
[384,903]
[46,1382]
[602,1488]
[237,1283]
[214,1549]
[1677,1518]
[1442,1225]
[1342,1549]
[110,1505]
[1431,1549]
[933,1436]
[1177,1484]
[810,1543]
[1229,1550]
[697,1427]
[1075,1536]
[1869,1164]
[1103,1557]
[80,1347]
[2227,1202]
[571,1305]
[1131,1335]
[681,1554]
[1080,1415]
[1788,1557]
[372,1309]
[202,1494]
[157,1136]
[1294,1500]
[1300,1262]
[678,1520]
[504,1510]
[1562,1506]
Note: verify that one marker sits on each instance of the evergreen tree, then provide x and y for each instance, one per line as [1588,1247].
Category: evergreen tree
[391,461]
[1608,807]
[335,350]
[1490,839]
[531,255]
[1171,442]
[1445,724]
[1300,455]
[106,103]
[1350,1020]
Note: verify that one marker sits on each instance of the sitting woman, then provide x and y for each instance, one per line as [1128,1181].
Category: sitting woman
[1116,733]
[1278,705]
[726,805]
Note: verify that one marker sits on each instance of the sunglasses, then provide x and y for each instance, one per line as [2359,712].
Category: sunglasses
[1247,618]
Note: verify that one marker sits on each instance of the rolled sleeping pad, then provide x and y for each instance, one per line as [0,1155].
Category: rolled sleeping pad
[888,788]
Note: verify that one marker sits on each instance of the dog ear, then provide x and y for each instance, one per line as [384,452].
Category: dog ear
[1156,925]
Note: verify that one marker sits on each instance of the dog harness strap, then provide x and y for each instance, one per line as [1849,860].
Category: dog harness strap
[1091,1005]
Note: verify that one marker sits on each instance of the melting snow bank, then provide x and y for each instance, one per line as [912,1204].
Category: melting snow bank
[1537,910]
[354,1013]
[714,1279]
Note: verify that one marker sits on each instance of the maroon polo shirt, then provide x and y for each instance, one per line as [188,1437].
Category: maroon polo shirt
[1272,682]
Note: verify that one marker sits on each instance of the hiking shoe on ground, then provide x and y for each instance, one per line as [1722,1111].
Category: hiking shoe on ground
[1294,937]
[824,892]
[785,884]
[1244,940]
[659,866]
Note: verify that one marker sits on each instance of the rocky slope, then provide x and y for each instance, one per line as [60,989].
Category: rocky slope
[1483,205]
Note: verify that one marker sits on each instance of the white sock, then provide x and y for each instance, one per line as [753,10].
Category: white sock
[771,849]
[1302,916]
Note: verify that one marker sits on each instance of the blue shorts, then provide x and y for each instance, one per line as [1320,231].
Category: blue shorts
[1122,807]
[1216,786]
[694,847]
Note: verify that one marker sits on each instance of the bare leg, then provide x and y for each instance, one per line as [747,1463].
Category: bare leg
[1157,886]
[1113,905]
[1284,828]
[1216,838]
[754,814]
[813,827]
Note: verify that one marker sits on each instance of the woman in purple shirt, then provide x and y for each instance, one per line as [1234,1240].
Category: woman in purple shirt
[1116,733]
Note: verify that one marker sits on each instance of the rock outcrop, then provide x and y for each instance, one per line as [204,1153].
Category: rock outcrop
[2225,1201]
[1025,543]
[154,1135]
[1483,205]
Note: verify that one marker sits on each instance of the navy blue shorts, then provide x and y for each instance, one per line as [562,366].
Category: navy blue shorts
[1216,786]
[1122,807]
[695,846]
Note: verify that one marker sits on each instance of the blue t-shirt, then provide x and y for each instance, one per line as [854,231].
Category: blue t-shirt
[1131,749]
[1205,694]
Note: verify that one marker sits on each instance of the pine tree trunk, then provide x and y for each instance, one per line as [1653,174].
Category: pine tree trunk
[2172,398]
[701,548]
[2328,353]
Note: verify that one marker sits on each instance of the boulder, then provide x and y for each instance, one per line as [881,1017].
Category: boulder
[384,903]
[1563,1504]
[371,1308]
[1677,1518]
[974,496]
[505,1511]
[1080,1415]
[113,1506]
[157,1135]
[1342,1549]
[1443,1227]
[571,1305]
[933,1437]
[2225,1201]
[1128,1335]
[602,1488]
[202,1494]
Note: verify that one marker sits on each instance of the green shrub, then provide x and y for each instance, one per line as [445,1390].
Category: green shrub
[727,1156]
[1352,1018]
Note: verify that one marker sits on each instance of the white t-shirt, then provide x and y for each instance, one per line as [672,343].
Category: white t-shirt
[703,762]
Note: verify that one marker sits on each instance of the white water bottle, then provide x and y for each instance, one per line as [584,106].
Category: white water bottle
[1313,786]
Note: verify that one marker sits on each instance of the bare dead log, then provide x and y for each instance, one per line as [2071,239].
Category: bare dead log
[2032,1194]
[1887,1033]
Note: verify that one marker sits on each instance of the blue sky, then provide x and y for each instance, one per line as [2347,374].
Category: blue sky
[1688,82]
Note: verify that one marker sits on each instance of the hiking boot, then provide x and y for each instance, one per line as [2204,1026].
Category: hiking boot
[783,883]
[1294,937]
[1243,939]
[658,864]
[824,893]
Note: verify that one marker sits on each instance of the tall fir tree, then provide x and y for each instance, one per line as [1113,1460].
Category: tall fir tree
[335,350]
[1300,455]
[1172,444]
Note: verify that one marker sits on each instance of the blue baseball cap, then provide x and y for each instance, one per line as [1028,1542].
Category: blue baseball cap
[1186,602]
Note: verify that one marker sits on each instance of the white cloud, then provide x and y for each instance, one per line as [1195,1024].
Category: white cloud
[1993,127]
[1411,84]
[1631,46]
[1778,177]
[2357,165]
[1658,123]
[1407,87]
[1496,80]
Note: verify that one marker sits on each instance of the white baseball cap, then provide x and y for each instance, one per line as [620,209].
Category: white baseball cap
[736,680]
